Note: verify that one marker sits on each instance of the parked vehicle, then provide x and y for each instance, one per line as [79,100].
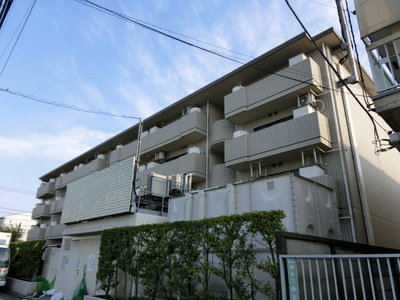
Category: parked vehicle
[5,238]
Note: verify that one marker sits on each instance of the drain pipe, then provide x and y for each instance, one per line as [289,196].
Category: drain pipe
[357,167]
[136,162]
[340,145]
[207,140]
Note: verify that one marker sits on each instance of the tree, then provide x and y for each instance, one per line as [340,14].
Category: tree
[15,230]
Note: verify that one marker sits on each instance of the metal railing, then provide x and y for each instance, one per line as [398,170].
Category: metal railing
[340,276]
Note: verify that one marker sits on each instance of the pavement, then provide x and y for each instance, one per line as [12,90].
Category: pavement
[7,296]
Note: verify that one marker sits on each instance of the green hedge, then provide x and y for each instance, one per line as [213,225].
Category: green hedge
[26,258]
[176,259]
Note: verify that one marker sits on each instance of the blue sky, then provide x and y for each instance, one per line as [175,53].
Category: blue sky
[73,54]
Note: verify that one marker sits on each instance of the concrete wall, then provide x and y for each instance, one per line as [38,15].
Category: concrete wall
[310,208]
[78,255]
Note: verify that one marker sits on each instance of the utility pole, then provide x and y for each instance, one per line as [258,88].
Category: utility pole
[354,78]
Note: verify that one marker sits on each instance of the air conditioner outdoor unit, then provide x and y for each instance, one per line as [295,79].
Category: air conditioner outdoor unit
[159,157]
[306,99]
[175,184]
[186,110]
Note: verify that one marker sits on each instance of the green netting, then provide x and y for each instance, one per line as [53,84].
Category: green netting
[80,290]
[52,283]
[42,284]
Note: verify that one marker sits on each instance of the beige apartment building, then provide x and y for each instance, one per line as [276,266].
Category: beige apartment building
[277,133]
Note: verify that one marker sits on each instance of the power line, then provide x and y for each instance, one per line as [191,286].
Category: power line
[6,5]
[341,80]
[64,105]
[135,21]
[358,57]
[327,5]
[16,190]
[158,29]
[17,210]
[148,26]
[131,20]
[19,35]
[139,23]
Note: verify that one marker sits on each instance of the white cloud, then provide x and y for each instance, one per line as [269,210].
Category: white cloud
[97,28]
[60,147]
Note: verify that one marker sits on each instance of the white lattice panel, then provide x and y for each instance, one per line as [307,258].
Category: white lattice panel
[103,193]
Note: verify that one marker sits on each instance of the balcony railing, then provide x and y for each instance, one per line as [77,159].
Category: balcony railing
[81,171]
[56,206]
[54,231]
[188,129]
[287,138]
[193,163]
[36,233]
[41,210]
[46,189]
[273,92]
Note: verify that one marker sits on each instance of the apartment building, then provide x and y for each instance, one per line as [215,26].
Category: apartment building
[379,23]
[276,133]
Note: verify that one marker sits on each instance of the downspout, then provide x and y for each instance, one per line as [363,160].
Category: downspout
[357,167]
[340,144]
[207,140]
[136,162]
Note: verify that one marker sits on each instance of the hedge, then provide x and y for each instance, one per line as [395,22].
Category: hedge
[174,259]
[26,259]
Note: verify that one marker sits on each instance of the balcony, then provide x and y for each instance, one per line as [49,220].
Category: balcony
[123,152]
[56,206]
[188,129]
[54,232]
[80,171]
[191,163]
[36,233]
[45,190]
[284,140]
[40,211]
[273,93]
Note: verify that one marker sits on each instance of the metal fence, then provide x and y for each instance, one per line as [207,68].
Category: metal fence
[340,276]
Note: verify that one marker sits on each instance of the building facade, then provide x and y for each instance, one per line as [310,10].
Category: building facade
[276,133]
[23,221]
[379,23]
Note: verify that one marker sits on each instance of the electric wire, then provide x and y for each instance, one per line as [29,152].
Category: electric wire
[13,209]
[7,4]
[16,190]
[68,106]
[357,56]
[126,18]
[327,5]
[341,80]
[13,35]
[19,35]
[129,19]
[135,21]
[192,38]
[139,23]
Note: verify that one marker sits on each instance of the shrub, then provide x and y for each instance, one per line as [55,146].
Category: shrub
[177,259]
[26,259]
